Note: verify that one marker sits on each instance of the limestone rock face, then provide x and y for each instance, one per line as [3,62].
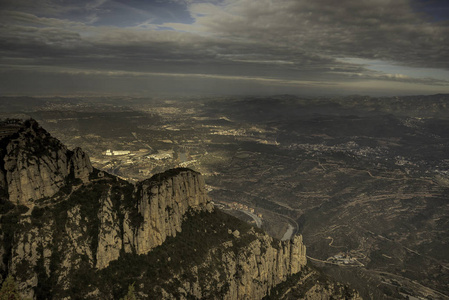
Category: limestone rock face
[78,234]
[248,274]
[35,165]
[81,165]
[110,237]
[31,250]
[161,207]
[163,204]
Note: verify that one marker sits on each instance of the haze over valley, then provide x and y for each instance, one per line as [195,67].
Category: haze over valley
[364,180]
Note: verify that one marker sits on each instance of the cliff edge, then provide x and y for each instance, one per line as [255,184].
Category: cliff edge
[34,165]
[69,231]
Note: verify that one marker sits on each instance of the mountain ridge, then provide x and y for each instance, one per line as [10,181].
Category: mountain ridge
[67,227]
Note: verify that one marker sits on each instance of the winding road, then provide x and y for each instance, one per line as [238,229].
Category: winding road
[255,218]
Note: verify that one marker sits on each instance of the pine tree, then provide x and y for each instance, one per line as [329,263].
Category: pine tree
[130,296]
[9,290]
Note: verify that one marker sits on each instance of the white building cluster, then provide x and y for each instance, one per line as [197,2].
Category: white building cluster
[110,152]
[162,155]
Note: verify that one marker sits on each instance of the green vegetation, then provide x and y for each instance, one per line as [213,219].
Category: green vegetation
[156,179]
[124,199]
[201,232]
[131,295]
[9,225]
[297,285]
[44,289]
[9,290]
[5,205]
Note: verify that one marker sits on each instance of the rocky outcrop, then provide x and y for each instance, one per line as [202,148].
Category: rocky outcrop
[35,165]
[100,221]
[32,250]
[311,284]
[80,164]
[248,274]
[64,240]
[163,204]
[321,291]
[110,237]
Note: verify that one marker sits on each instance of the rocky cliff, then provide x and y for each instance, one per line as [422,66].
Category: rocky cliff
[99,221]
[249,273]
[69,233]
[35,165]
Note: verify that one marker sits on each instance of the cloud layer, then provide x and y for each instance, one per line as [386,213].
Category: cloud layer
[274,44]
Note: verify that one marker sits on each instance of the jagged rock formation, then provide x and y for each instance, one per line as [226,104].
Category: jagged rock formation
[163,205]
[36,165]
[67,233]
[93,236]
[249,273]
[310,284]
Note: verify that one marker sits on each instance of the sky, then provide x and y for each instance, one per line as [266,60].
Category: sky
[224,47]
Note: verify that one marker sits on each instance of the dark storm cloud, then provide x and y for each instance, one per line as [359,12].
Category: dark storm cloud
[54,42]
[380,29]
[52,8]
[276,42]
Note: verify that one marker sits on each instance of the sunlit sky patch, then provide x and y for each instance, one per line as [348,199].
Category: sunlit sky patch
[378,47]
[391,68]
